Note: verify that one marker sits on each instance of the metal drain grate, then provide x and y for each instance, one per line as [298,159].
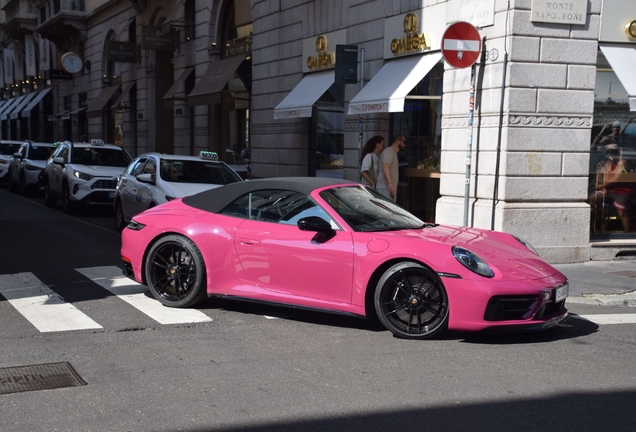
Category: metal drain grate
[38,377]
[628,273]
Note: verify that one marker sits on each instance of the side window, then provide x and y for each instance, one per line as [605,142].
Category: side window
[151,168]
[135,170]
[277,206]
[63,153]
[23,150]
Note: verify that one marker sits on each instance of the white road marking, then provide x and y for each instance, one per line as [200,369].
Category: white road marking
[603,319]
[111,278]
[270,317]
[44,308]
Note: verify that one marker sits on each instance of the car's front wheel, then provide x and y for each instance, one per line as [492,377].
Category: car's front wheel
[411,301]
[175,272]
[120,220]
[49,200]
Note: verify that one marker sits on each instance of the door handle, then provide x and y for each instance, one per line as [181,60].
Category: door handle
[245,241]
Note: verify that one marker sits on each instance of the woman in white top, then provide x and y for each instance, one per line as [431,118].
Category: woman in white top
[370,163]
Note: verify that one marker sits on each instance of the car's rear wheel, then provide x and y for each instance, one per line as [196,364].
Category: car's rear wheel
[49,200]
[120,221]
[175,272]
[411,301]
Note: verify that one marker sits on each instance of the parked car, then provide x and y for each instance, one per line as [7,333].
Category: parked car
[26,165]
[332,245]
[7,148]
[237,163]
[140,188]
[83,174]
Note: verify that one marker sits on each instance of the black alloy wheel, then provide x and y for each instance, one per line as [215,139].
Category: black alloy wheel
[175,272]
[411,301]
[120,221]
[49,200]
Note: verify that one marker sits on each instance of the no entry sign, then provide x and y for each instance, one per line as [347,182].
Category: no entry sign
[461,45]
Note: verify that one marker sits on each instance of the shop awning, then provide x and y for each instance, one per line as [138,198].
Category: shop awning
[168,98]
[389,87]
[208,90]
[64,115]
[623,62]
[96,107]
[123,94]
[10,108]
[26,112]
[3,103]
[77,111]
[301,99]
[15,113]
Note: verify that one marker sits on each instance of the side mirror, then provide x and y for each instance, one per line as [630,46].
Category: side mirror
[58,160]
[17,155]
[314,223]
[145,178]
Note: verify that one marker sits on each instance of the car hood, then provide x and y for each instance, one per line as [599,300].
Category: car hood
[36,163]
[503,253]
[179,190]
[99,171]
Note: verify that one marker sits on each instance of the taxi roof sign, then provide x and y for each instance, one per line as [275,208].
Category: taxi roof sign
[209,155]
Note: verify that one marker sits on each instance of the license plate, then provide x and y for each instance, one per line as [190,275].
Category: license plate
[561,293]
[111,194]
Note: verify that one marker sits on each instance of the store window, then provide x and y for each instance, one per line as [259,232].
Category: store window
[327,146]
[612,179]
[420,123]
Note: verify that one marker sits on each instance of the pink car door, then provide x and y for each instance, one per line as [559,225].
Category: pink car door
[277,255]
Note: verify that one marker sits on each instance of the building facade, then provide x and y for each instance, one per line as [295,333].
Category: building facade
[300,86]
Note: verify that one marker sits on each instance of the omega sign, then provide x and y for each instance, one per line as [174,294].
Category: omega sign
[323,58]
[413,41]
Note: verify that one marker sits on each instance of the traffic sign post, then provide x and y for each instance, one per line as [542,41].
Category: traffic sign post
[461,46]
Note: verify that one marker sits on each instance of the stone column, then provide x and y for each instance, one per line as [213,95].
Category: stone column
[545,136]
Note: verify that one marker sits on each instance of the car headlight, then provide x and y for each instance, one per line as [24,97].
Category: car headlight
[4,162]
[82,175]
[526,244]
[472,262]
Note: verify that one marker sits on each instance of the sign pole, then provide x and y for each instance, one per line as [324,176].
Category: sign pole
[469,147]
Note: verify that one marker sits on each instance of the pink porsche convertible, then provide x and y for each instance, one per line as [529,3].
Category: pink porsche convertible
[335,246]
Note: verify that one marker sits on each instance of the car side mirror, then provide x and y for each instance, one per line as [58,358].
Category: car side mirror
[58,160]
[314,223]
[17,155]
[145,178]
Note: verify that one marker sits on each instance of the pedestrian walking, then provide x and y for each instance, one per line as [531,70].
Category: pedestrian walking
[370,162]
[390,174]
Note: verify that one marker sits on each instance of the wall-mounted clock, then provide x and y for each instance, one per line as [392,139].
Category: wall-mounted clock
[71,63]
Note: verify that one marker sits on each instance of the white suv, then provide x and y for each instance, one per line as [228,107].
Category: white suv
[82,173]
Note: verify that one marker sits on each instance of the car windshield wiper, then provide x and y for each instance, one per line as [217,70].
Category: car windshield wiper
[428,225]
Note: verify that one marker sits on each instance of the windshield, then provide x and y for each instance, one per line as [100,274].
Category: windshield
[365,210]
[9,149]
[193,171]
[100,157]
[40,153]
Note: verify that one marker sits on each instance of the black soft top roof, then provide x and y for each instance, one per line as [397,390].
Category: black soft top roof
[215,200]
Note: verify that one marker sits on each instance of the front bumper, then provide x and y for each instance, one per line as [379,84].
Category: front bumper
[95,192]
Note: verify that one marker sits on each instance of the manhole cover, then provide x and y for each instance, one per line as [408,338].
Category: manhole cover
[38,377]
[628,273]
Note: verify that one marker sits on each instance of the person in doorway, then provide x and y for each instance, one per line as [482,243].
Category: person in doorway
[389,175]
[370,162]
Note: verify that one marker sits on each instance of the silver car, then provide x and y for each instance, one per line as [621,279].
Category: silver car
[140,188]
[7,149]
[26,165]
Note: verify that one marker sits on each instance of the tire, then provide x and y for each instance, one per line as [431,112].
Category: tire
[120,221]
[49,200]
[175,272]
[411,301]
[68,206]
[12,186]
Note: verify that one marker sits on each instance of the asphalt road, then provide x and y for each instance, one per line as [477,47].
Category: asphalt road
[272,369]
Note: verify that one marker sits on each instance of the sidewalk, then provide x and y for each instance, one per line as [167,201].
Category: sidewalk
[607,283]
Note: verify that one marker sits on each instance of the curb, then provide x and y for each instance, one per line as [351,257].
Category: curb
[619,300]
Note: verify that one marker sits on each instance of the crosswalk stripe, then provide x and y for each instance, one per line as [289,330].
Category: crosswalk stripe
[603,319]
[111,278]
[44,308]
